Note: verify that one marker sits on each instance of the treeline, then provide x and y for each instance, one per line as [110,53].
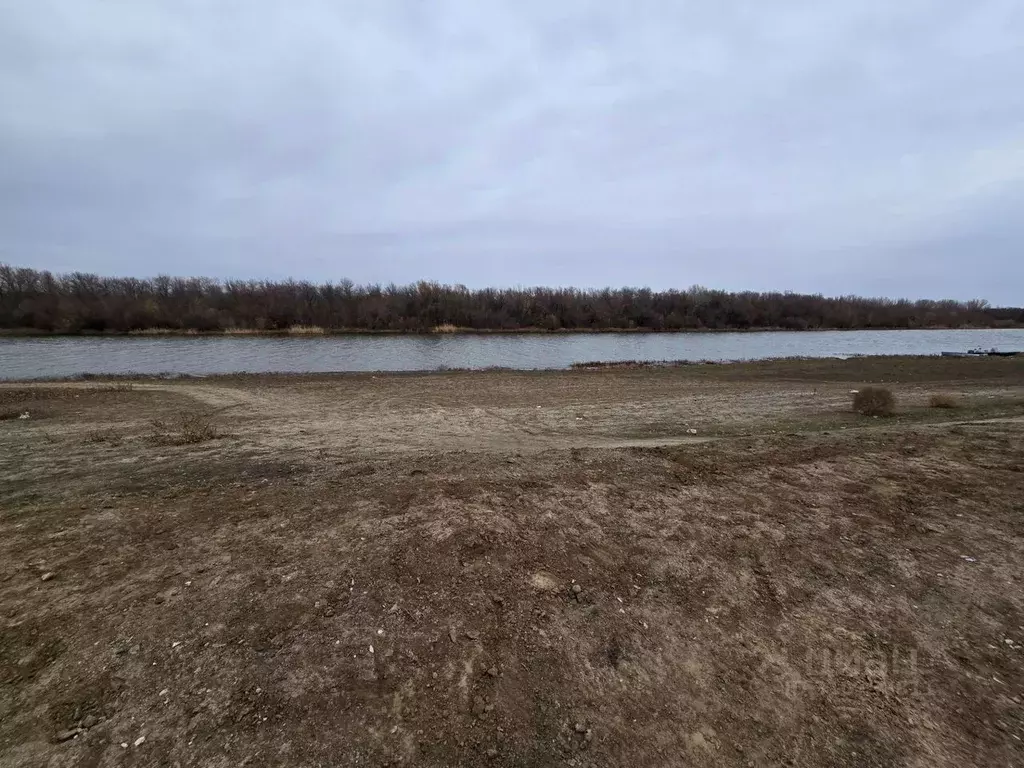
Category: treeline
[83,303]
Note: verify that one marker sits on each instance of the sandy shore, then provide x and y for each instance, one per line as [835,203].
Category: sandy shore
[704,565]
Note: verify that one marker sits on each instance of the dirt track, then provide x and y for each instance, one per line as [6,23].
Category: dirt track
[369,570]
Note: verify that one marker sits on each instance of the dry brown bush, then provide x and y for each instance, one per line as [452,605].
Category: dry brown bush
[874,401]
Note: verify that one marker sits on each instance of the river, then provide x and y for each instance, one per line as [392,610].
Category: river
[35,357]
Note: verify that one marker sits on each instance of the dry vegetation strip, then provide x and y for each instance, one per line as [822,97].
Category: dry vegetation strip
[279,595]
[31,300]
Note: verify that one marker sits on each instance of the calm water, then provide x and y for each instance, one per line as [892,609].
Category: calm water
[51,357]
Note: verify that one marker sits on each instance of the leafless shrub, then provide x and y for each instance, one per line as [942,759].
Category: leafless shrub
[943,400]
[874,401]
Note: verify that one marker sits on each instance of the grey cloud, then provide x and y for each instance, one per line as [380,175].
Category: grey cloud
[869,147]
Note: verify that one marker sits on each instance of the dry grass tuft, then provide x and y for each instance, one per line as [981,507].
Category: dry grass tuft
[943,400]
[874,401]
[187,429]
[306,330]
[240,331]
[109,435]
[445,328]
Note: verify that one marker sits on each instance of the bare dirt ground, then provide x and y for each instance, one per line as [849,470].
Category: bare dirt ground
[694,566]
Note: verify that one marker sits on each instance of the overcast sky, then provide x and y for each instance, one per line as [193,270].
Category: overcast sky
[870,146]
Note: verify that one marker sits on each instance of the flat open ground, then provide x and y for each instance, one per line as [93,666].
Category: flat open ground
[380,570]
